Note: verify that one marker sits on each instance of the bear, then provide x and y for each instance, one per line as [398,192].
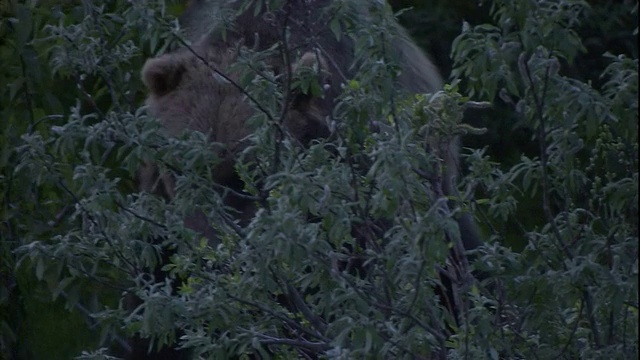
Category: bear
[176,82]
[261,30]
[196,88]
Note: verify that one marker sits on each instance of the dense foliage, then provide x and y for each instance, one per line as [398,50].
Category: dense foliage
[76,230]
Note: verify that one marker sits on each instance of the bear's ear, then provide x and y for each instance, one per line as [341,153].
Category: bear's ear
[313,61]
[163,74]
[311,76]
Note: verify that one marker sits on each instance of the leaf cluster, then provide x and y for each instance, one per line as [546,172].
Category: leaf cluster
[352,240]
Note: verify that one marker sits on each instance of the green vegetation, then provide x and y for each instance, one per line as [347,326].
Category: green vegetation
[553,182]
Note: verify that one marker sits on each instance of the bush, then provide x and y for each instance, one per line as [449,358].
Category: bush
[74,136]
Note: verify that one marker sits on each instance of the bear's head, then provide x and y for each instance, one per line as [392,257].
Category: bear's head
[195,89]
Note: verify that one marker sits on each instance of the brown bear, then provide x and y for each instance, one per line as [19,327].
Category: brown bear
[192,87]
[196,88]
